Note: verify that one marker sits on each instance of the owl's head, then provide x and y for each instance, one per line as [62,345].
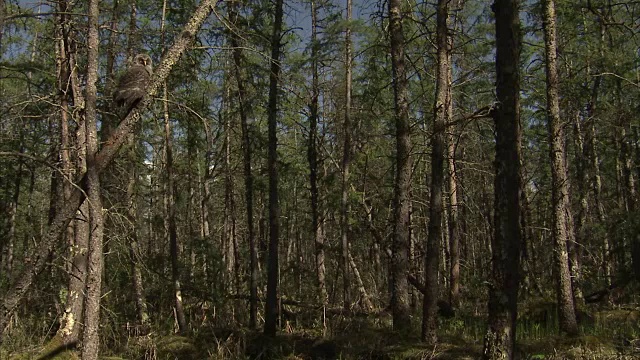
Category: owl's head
[144,60]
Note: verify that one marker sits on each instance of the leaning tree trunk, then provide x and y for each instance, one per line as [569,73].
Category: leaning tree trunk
[271,305]
[499,342]
[559,180]
[400,247]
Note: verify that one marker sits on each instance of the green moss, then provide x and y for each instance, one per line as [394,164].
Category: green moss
[53,350]
[176,347]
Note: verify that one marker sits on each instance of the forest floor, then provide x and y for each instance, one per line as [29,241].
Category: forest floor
[605,334]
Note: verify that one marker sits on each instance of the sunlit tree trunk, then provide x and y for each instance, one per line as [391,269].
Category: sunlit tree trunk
[454,226]
[229,223]
[77,234]
[559,180]
[455,235]
[95,262]
[364,296]
[499,342]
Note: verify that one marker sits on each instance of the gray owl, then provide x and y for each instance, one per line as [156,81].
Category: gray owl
[132,85]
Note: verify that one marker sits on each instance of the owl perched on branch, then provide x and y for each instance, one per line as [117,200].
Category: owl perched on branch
[132,85]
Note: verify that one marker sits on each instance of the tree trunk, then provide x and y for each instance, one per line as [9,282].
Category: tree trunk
[365,300]
[132,236]
[500,337]
[229,223]
[271,305]
[559,180]
[583,207]
[170,221]
[91,335]
[77,235]
[454,226]
[400,247]
[346,164]
[248,175]
[441,110]
[7,257]
[312,156]
[70,324]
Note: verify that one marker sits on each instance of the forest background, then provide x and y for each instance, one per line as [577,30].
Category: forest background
[321,179]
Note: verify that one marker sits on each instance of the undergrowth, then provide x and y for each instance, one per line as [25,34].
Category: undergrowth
[605,334]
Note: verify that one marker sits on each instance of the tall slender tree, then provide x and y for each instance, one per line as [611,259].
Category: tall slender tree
[271,305]
[78,232]
[91,335]
[346,163]
[312,156]
[499,342]
[559,180]
[455,235]
[170,200]
[441,110]
[401,217]
[243,108]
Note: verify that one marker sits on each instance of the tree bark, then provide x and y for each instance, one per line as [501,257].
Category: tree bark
[229,223]
[559,180]
[312,156]
[500,337]
[170,221]
[365,300]
[77,235]
[248,174]
[400,247]
[454,196]
[441,110]
[454,226]
[271,305]
[95,259]
[133,238]
[346,164]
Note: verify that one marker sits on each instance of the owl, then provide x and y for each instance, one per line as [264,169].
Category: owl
[132,85]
